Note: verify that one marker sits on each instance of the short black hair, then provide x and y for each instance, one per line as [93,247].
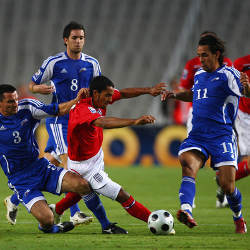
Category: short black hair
[214,44]
[72,26]
[6,88]
[100,83]
[209,33]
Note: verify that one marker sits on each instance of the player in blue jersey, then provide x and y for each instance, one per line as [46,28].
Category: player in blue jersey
[28,175]
[66,73]
[63,75]
[215,96]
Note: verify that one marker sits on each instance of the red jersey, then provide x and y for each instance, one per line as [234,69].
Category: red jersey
[187,78]
[84,138]
[243,65]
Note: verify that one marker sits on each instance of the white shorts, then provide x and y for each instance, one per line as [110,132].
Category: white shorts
[242,125]
[93,171]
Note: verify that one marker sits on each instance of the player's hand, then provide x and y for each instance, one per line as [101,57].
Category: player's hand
[145,119]
[245,82]
[167,95]
[43,89]
[82,94]
[157,89]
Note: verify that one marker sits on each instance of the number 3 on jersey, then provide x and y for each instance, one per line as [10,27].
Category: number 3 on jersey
[17,138]
[74,86]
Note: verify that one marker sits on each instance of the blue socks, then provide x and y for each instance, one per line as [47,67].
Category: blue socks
[234,201]
[53,229]
[73,209]
[187,193]
[94,204]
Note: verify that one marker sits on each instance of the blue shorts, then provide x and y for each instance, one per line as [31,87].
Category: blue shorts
[223,149]
[57,141]
[40,176]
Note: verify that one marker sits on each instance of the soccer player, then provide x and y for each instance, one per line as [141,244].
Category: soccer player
[187,78]
[215,97]
[28,175]
[85,136]
[242,125]
[66,73]
[187,82]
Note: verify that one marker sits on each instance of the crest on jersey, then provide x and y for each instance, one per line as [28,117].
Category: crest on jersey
[82,69]
[92,110]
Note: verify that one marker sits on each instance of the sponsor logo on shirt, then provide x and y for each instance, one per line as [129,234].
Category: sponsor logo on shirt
[64,71]
[2,128]
[92,110]
[184,74]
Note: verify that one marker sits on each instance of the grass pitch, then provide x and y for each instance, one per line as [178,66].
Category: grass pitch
[155,187]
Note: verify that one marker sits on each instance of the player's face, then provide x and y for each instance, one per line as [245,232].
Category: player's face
[101,100]
[9,104]
[209,61]
[75,41]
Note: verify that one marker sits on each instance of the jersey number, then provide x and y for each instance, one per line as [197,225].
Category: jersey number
[17,138]
[74,86]
[200,92]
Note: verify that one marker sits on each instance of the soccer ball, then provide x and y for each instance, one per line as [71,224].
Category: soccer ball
[161,222]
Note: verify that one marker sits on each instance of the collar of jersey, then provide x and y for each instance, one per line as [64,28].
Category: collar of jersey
[81,58]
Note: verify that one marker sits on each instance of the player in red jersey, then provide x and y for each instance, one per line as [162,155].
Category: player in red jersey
[85,136]
[242,125]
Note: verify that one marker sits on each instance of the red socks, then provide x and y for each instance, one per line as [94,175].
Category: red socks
[136,209]
[242,171]
[65,203]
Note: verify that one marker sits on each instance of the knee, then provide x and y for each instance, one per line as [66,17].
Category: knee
[83,187]
[187,169]
[227,186]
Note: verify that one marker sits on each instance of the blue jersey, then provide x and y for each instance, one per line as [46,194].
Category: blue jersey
[18,147]
[215,102]
[68,76]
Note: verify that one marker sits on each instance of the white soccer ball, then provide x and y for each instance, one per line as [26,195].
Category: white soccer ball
[161,222]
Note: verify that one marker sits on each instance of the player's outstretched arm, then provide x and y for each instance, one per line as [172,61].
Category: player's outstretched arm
[182,95]
[134,92]
[114,122]
[40,88]
[65,107]
[246,85]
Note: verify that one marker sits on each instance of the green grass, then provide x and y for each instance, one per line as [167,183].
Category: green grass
[157,188]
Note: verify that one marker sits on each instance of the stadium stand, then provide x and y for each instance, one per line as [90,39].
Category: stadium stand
[136,42]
